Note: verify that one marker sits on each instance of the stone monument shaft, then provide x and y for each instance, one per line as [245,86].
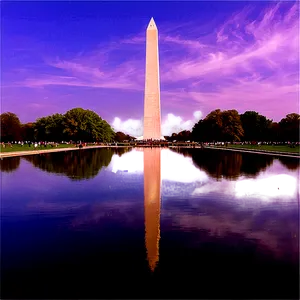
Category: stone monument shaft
[152,118]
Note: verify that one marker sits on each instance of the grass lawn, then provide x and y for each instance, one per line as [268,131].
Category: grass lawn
[16,147]
[279,148]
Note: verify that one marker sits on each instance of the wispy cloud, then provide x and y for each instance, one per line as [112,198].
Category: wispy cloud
[245,63]
[241,39]
[73,81]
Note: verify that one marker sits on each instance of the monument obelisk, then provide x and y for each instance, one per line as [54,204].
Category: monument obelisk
[152,118]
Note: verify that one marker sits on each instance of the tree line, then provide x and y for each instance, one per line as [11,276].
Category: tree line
[76,124]
[230,126]
[79,124]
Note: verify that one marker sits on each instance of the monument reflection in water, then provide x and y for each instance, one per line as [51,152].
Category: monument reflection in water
[152,196]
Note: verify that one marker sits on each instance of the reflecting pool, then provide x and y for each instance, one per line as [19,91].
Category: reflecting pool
[150,223]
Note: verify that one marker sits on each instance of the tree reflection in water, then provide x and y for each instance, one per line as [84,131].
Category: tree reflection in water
[290,163]
[86,164]
[253,164]
[76,165]
[9,164]
[226,164]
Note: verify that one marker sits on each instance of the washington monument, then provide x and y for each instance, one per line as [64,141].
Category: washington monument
[152,118]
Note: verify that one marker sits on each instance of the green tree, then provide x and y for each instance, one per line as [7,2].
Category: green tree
[250,125]
[274,132]
[184,136]
[213,125]
[40,131]
[219,126]
[256,127]
[28,131]
[199,132]
[55,127]
[86,125]
[264,128]
[172,137]
[232,129]
[10,127]
[289,127]
[121,137]
[107,134]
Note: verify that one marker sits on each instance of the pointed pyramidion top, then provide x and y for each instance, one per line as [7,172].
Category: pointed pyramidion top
[152,25]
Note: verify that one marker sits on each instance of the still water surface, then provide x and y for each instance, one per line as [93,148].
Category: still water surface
[116,223]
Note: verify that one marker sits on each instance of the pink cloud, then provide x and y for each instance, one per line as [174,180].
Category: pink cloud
[243,64]
[77,68]
[264,97]
[71,81]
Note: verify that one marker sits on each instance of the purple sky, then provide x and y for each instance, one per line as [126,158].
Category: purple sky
[61,55]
